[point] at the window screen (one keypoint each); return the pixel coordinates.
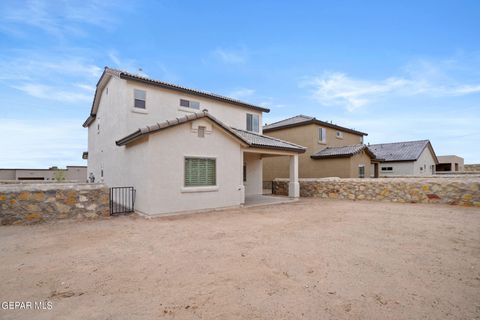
(200, 172)
(322, 134)
(253, 123)
(361, 171)
(140, 98)
(190, 104)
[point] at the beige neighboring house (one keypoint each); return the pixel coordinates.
(450, 163)
(181, 149)
(408, 158)
(332, 150)
(71, 173)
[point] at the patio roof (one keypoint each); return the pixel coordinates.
(250, 139)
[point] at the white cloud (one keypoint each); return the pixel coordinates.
(129, 65)
(42, 143)
(58, 18)
(53, 93)
(231, 56)
(241, 93)
(422, 78)
(62, 77)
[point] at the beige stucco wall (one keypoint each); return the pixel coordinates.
(164, 104)
(156, 170)
(360, 159)
(308, 136)
(118, 118)
(254, 166)
(7, 174)
(452, 160)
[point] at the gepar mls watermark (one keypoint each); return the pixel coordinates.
(26, 305)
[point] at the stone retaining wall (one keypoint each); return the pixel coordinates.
(472, 167)
(454, 191)
(33, 203)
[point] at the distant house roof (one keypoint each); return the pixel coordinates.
(108, 72)
(261, 141)
(342, 152)
(302, 120)
(402, 151)
(247, 138)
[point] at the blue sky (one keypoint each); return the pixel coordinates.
(403, 70)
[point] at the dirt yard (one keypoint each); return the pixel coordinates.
(312, 259)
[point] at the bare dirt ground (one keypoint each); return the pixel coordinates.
(313, 259)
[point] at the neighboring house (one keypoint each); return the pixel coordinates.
(450, 163)
(332, 150)
(181, 149)
(71, 173)
(415, 158)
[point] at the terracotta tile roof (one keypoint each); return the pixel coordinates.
(258, 140)
(250, 139)
(342, 152)
(301, 120)
(167, 85)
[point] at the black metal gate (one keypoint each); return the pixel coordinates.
(122, 200)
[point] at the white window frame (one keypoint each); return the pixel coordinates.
(253, 125)
(322, 135)
(364, 172)
(188, 109)
(136, 109)
(339, 134)
(140, 91)
(188, 189)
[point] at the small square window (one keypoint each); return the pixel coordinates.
(140, 97)
(190, 104)
(339, 134)
(200, 172)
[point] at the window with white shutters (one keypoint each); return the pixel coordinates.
(200, 172)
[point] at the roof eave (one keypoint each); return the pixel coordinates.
(315, 121)
(296, 150)
(130, 138)
(192, 92)
(333, 156)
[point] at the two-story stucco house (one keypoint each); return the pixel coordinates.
(180, 148)
(332, 150)
(408, 158)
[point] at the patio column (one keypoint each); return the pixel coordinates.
(293, 185)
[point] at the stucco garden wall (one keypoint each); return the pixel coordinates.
(454, 191)
(33, 203)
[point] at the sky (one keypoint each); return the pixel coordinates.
(398, 70)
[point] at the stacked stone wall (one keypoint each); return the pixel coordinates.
(472, 167)
(33, 203)
(454, 191)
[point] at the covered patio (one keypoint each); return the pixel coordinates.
(260, 147)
